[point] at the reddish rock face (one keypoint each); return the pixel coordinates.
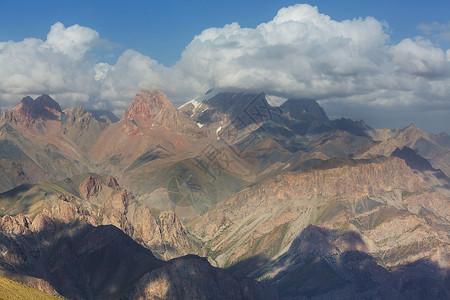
(111, 182)
(91, 187)
(151, 108)
(29, 110)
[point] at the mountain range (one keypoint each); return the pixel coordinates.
(225, 197)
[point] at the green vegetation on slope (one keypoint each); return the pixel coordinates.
(13, 290)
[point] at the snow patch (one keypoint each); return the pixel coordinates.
(202, 99)
(194, 102)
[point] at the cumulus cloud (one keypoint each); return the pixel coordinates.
(421, 58)
(299, 53)
(56, 66)
(74, 41)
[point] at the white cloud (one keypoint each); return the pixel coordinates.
(421, 58)
(56, 66)
(436, 30)
(300, 52)
(74, 41)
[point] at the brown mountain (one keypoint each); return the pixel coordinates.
(150, 121)
(94, 200)
(192, 277)
(83, 127)
(86, 262)
(434, 148)
(396, 214)
(282, 194)
(34, 147)
(319, 253)
(30, 111)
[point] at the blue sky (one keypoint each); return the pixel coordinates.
(387, 62)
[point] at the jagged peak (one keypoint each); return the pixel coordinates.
(28, 110)
(413, 159)
(151, 107)
(41, 102)
(147, 103)
(46, 101)
(304, 109)
(27, 100)
(412, 132)
(412, 126)
(75, 110)
(104, 115)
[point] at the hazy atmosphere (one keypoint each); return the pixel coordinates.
(387, 64)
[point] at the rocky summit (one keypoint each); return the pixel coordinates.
(225, 197)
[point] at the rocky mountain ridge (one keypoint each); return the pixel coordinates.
(86, 262)
(28, 110)
(232, 178)
(96, 201)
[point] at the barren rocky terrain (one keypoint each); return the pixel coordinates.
(225, 197)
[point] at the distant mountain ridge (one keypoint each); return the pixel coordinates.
(281, 194)
(239, 124)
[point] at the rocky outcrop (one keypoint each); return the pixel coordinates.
(98, 201)
(164, 234)
(429, 146)
(29, 110)
(306, 110)
(351, 273)
(19, 224)
(192, 277)
(151, 108)
(111, 182)
(85, 262)
(79, 261)
(373, 198)
(90, 187)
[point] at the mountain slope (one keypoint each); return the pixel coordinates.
(435, 148)
(94, 200)
(86, 262)
(318, 254)
(34, 146)
(13, 290)
(383, 200)
(203, 282)
(248, 178)
(82, 127)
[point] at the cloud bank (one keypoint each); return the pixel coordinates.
(299, 53)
